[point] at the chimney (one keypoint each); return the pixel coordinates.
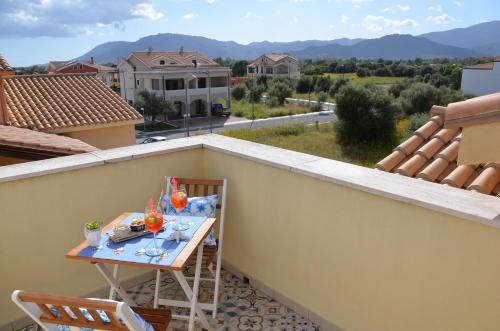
(92, 60)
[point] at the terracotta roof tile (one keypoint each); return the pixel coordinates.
(4, 66)
(55, 103)
(431, 154)
(181, 59)
(483, 66)
(17, 138)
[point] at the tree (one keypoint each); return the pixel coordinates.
(336, 85)
(239, 68)
(364, 115)
(262, 81)
(304, 84)
(362, 72)
(152, 104)
(323, 84)
(419, 98)
(280, 90)
(238, 92)
(322, 97)
(254, 95)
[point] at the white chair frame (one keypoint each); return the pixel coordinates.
(204, 306)
(123, 312)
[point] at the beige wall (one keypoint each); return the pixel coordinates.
(361, 261)
(479, 144)
(43, 218)
(111, 137)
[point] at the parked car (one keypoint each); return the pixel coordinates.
(153, 139)
(218, 110)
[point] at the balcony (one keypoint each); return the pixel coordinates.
(343, 247)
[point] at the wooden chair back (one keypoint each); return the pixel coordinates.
(201, 187)
(38, 306)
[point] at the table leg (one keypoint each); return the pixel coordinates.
(114, 283)
(116, 270)
(192, 295)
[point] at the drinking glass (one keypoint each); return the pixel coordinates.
(153, 219)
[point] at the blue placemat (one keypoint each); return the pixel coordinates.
(127, 251)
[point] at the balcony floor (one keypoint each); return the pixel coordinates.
(242, 307)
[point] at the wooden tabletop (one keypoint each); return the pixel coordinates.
(179, 262)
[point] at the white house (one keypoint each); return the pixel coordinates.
(166, 75)
(482, 79)
(274, 65)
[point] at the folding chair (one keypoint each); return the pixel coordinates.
(49, 311)
(202, 187)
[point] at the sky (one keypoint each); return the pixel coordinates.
(37, 31)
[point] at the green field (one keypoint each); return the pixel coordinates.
(243, 108)
(314, 140)
(367, 80)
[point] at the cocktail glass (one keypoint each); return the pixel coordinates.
(153, 219)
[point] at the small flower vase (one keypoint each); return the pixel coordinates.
(93, 237)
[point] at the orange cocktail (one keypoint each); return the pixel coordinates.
(153, 221)
(179, 200)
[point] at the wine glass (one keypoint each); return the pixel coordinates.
(178, 199)
(153, 219)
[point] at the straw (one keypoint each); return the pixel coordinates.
(159, 200)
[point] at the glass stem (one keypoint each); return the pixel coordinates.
(154, 241)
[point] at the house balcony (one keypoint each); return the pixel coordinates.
(322, 244)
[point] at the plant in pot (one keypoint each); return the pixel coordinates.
(93, 233)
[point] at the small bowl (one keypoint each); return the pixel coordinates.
(137, 225)
(121, 230)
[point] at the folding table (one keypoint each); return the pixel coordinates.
(130, 253)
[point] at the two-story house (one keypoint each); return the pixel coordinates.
(107, 74)
(273, 65)
(186, 78)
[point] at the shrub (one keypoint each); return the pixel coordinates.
(255, 94)
(316, 107)
(280, 91)
(322, 84)
(364, 115)
(262, 81)
(362, 72)
(273, 102)
(238, 92)
(305, 84)
(337, 85)
(322, 97)
(239, 113)
(419, 98)
(416, 121)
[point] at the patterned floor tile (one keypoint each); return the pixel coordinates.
(241, 307)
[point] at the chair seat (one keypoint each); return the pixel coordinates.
(209, 253)
(158, 318)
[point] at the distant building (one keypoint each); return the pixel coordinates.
(107, 74)
(165, 74)
(23, 145)
(5, 68)
(482, 79)
(273, 65)
(74, 105)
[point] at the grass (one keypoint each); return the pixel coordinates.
(311, 139)
(244, 109)
(368, 80)
(157, 126)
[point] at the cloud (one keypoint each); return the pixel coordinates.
(358, 3)
(65, 18)
(344, 18)
(248, 14)
(377, 23)
(210, 2)
(385, 10)
(146, 10)
(404, 7)
(294, 20)
(190, 16)
(437, 8)
(458, 4)
(441, 19)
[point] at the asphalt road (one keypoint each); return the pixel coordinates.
(309, 118)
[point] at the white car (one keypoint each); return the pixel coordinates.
(153, 139)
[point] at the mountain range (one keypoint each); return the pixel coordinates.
(477, 40)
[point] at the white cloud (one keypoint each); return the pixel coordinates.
(359, 2)
(294, 20)
(190, 16)
(248, 14)
(299, 1)
(441, 19)
(344, 18)
(210, 2)
(146, 10)
(377, 23)
(437, 8)
(458, 4)
(404, 7)
(385, 10)
(102, 25)
(22, 17)
(87, 31)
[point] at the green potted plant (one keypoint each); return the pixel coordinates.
(93, 233)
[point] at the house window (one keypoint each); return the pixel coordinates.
(195, 63)
(218, 82)
(174, 84)
(202, 82)
(269, 71)
(155, 84)
(162, 62)
(251, 70)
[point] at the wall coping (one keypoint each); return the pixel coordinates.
(465, 204)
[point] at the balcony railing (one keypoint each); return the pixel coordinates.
(344, 245)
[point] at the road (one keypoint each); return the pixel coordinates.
(235, 124)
